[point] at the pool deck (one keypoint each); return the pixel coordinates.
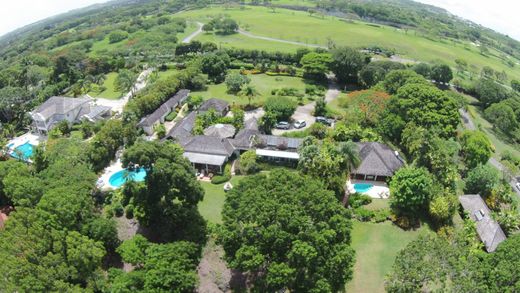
(26, 138)
(379, 189)
(103, 181)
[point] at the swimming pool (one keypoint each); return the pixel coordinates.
(119, 178)
(362, 187)
(23, 152)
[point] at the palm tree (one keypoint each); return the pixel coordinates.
(125, 81)
(248, 91)
(350, 154)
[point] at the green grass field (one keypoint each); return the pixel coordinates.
(376, 247)
(211, 207)
(263, 84)
(299, 26)
(110, 92)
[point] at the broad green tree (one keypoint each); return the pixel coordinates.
(167, 201)
(476, 148)
(482, 180)
(347, 62)
(215, 65)
(277, 227)
(316, 65)
(411, 190)
(441, 73)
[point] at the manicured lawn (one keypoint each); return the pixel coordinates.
(376, 246)
(378, 204)
(294, 26)
(211, 207)
(166, 74)
(110, 92)
(263, 84)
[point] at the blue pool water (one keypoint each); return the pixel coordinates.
(362, 187)
(23, 152)
(119, 178)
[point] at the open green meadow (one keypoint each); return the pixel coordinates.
(263, 84)
(376, 247)
(110, 92)
(299, 26)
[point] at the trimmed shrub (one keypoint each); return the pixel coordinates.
(357, 200)
(220, 179)
(171, 116)
(363, 214)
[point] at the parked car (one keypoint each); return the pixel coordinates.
(300, 124)
(283, 125)
(518, 186)
(324, 120)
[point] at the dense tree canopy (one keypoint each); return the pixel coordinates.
(346, 64)
(215, 65)
(411, 190)
(167, 200)
(489, 92)
(288, 232)
(159, 267)
(316, 65)
(426, 106)
(476, 148)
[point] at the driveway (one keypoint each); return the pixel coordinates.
(305, 112)
(118, 105)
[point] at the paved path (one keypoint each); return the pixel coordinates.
(250, 35)
(469, 124)
(194, 34)
(118, 105)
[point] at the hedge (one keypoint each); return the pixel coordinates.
(220, 179)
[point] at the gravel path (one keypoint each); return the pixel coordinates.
(194, 34)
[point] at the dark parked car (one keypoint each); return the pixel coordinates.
(324, 120)
(283, 125)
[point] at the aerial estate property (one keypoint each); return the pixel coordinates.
(259, 146)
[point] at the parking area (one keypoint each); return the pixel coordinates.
(302, 113)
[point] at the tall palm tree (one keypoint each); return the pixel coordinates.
(248, 91)
(350, 154)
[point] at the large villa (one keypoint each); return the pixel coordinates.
(72, 110)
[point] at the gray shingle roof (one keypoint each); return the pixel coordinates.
(59, 106)
(377, 159)
(96, 112)
(488, 229)
(183, 128)
(208, 145)
(218, 105)
(165, 108)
